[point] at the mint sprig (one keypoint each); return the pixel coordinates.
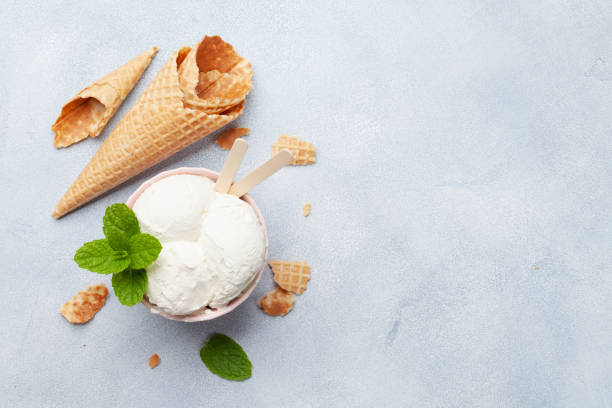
(125, 252)
(224, 357)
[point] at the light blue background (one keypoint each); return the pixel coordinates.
(460, 236)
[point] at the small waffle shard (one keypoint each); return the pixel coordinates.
(291, 275)
(154, 360)
(227, 139)
(306, 209)
(277, 302)
(303, 152)
(82, 307)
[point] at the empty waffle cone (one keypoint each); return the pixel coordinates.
(291, 275)
(90, 110)
(168, 117)
(303, 152)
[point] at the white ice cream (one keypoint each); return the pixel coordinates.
(213, 244)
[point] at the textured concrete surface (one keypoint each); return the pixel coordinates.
(460, 233)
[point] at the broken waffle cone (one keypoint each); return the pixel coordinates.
(214, 77)
(291, 275)
(306, 209)
(90, 110)
(82, 307)
(277, 302)
(303, 152)
(168, 117)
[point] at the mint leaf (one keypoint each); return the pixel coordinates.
(120, 223)
(224, 357)
(130, 286)
(143, 250)
(98, 256)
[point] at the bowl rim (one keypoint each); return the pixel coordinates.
(206, 313)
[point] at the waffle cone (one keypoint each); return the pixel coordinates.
(90, 110)
(161, 123)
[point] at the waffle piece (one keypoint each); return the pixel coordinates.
(291, 275)
(90, 110)
(82, 307)
(306, 209)
(277, 302)
(227, 139)
(303, 152)
(154, 360)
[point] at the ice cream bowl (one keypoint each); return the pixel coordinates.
(204, 313)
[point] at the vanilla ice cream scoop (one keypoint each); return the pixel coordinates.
(233, 240)
(179, 280)
(172, 208)
(213, 245)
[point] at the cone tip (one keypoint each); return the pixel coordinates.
(60, 210)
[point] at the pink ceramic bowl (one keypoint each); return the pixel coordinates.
(206, 313)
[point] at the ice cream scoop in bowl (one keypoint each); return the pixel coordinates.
(214, 243)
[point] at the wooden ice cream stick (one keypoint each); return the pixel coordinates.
(231, 165)
(278, 161)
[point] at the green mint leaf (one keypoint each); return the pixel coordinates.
(224, 357)
(98, 256)
(130, 286)
(143, 250)
(120, 223)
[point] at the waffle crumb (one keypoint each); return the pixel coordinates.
(227, 139)
(154, 360)
(277, 302)
(306, 209)
(291, 275)
(303, 152)
(83, 307)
